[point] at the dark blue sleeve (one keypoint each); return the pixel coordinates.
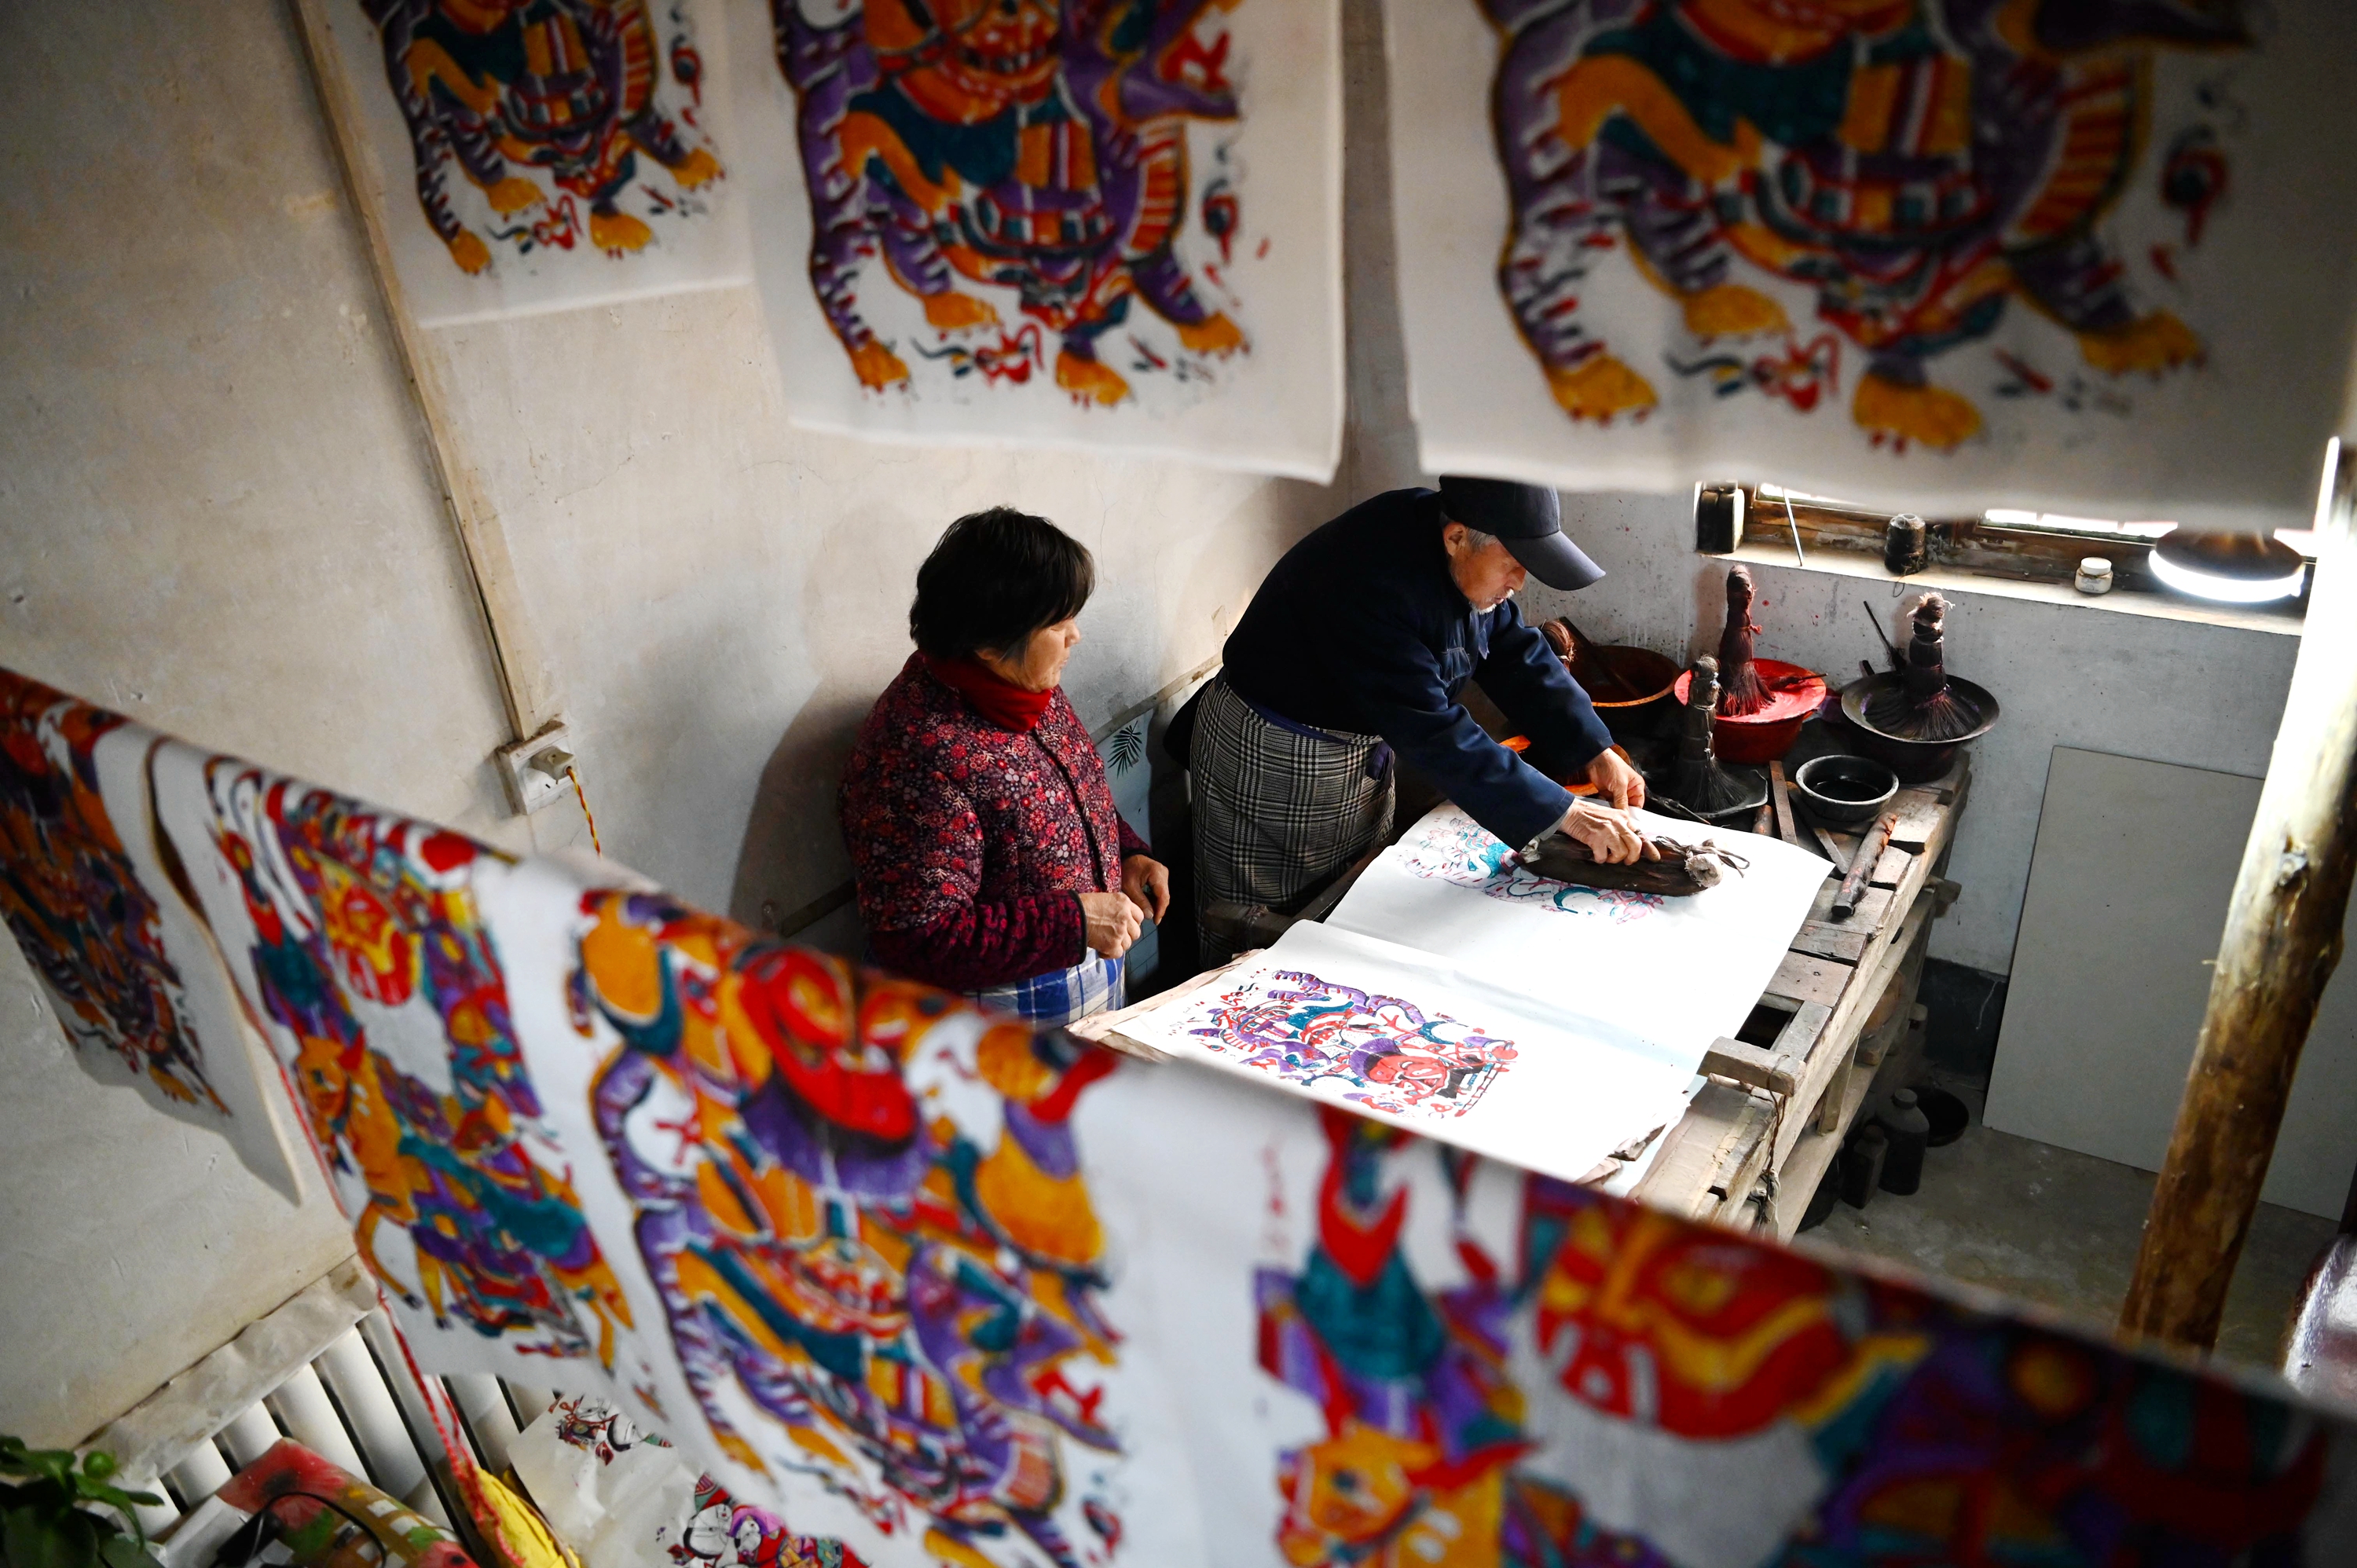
(1529, 684)
(1398, 681)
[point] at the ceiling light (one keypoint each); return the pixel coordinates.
(2237, 568)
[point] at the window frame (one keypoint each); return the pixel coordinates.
(1972, 546)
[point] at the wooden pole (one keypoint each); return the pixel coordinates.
(2281, 942)
(527, 685)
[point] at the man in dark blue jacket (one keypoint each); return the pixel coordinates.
(1356, 645)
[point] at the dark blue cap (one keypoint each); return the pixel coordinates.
(1527, 520)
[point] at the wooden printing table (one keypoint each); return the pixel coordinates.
(1778, 1099)
(1764, 1130)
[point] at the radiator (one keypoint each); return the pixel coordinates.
(326, 1369)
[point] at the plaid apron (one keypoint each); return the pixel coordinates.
(1061, 996)
(1278, 809)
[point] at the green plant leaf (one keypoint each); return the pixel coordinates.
(120, 1501)
(20, 1538)
(116, 1498)
(51, 1464)
(122, 1551)
(98, 1465)
(77, 1535)
(62, 1540)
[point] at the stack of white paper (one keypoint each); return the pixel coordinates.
(1460, 994)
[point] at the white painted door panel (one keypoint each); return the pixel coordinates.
(2127, 895)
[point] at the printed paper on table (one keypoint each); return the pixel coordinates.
(1680, 970)
(356, 938)
(2092, 258)
(1061, 223)
(129, 972)
(543, 157)
(1414, 1040)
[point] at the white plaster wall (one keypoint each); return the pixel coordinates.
(723, 595)
(215, 514)
(212, 516)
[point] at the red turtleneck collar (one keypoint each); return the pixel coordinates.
(1002, 702)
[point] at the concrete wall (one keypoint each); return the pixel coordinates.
(215, 515)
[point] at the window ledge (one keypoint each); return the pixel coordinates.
(1764, 551)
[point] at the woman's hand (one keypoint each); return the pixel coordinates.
(1113, 922)
(1609, 834)
(1146, 882)
(1615, 780)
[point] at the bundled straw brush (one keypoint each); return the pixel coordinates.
(1923, 705)
(1741, 692)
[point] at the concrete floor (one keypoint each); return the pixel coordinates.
(2061, 1228)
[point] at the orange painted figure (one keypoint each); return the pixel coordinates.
(501, 88)
(1034, 145)
(376, 974)
(907, 1298)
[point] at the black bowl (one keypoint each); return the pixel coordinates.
(1844, 789)
(1915, 761)
(1949, 1115)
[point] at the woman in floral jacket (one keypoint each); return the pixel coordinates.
(989, 858)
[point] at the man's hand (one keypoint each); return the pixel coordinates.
(1147, 881)
(1112, 923)
(1609, 834)
(1615, 780)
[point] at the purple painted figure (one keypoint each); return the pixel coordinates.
(1033, 145)
(567, 87)
(907, 1307)
(1913, 162)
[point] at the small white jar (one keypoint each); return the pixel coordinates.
(2094, 576)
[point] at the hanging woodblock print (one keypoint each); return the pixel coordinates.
(1947, 253)
(1573, 1379)
(1680, 970)
(1414, 1040)
(858, 1206)
(127, 969)
(543, 155)
(918, 1286)
(356, 939)
(1105, 224)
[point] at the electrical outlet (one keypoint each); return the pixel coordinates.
(534, 769)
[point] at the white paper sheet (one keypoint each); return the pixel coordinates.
(2203, 199)
(1424, 1043)
(1231, 118)
(621, 198)
(1680, 972)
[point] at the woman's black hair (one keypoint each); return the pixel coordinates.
(996, 577)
